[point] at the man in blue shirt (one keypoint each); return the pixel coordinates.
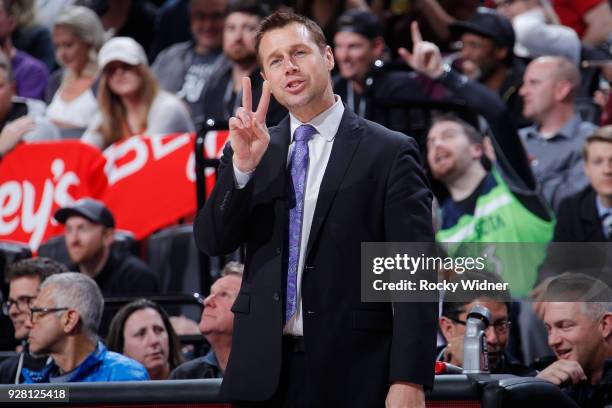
(63, 324)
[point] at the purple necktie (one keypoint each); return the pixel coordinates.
(299, 168)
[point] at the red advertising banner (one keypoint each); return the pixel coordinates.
(38, 178)
(148, 182)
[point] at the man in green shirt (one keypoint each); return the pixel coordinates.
(498, 208)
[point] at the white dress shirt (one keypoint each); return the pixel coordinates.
(319, 150)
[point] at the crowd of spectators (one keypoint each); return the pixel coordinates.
(515, 139)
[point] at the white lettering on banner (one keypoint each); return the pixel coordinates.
(161, 148)
(112, 154)
(10, 200)
(190, 170)
(14, 195)
(35, 221)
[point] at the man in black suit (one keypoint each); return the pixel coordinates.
(302, 196)
(587, 215)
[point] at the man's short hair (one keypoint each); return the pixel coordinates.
(280, 19)
(579, 287)
(80, 292)
(233, 268)
(40, 268)
(564, 70)
(252, 7)
(603, 134)
(473, 135)
(454, 302)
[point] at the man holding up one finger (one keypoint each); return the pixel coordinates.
(301, 197)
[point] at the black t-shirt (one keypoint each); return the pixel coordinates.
(123, 275)
(126, 275)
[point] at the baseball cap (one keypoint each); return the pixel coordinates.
(93, 210)
(360, 22)
(488, 23)
(123, 49)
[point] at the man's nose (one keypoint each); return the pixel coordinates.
(28, 322)
(290, 66)
(491, 335)
(210, 300)
(553, 338)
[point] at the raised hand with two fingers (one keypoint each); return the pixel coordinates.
(249, 135)
(425, 57)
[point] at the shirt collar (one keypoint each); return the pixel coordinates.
(601, 210)
(569, 129)
(326, 123)
(211, 358)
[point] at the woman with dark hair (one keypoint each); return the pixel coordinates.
(141, 330)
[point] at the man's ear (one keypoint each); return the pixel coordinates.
(263, 75)
(108, 237)
(447, 328)
(562, 90)
(476, 150)
(606, 326)
(501, 53)
(378, 47)
(329, 58)
(71, 319)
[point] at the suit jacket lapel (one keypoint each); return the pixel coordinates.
(346, 141)
(590, 219)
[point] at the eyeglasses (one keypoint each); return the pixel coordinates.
(500, 327)
(43, 311)
(22, 304)
(114, 66)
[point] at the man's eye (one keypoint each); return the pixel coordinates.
(274, 62)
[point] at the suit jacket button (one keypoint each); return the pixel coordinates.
(276, 296)
(278, 251)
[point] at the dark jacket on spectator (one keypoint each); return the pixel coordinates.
(385, 98)
(202, 367)
(594, 396)
(578, 220)
(10, 369)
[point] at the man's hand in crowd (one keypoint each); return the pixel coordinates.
(13, 132)
(562, 371)
(425, 56)
(249, 135)
(405, 395)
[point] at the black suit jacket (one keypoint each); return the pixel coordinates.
(374, 189)
(572, 250)
(578, 220)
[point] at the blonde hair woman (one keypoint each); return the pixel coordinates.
(77, 35)
(130, 100)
